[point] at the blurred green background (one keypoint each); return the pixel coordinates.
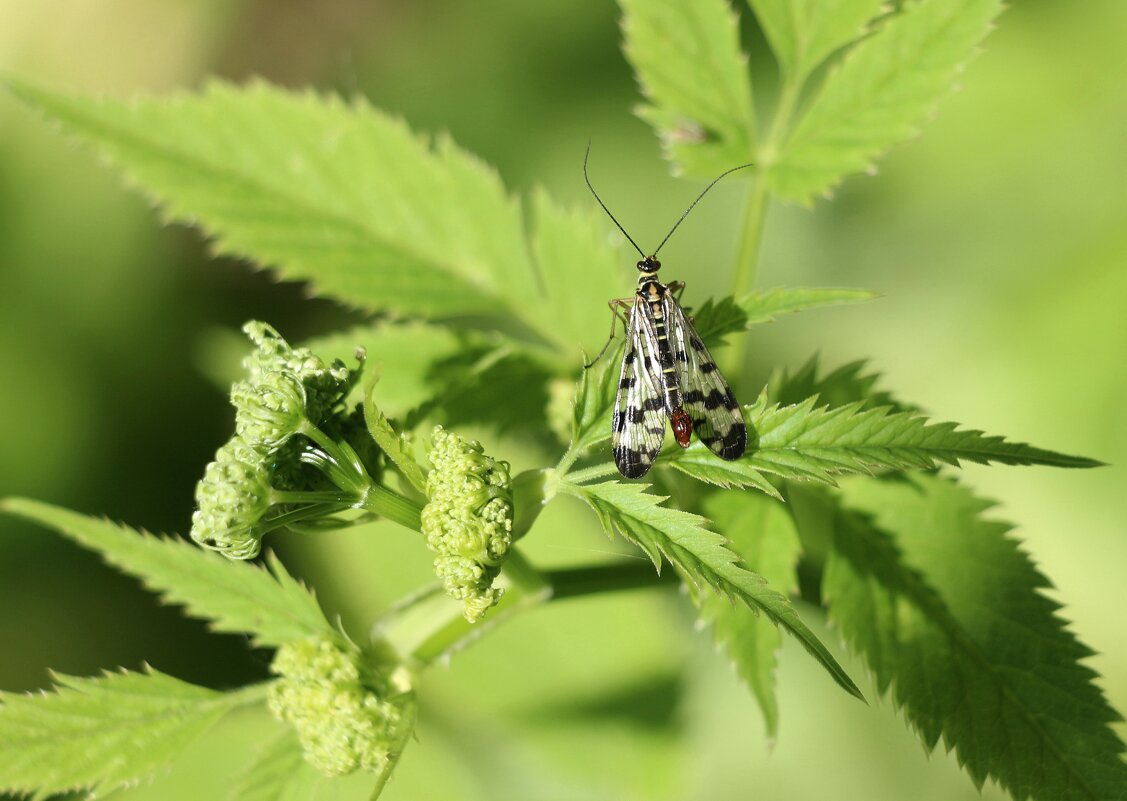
(998, 239)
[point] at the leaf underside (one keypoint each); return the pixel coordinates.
(952, 618)
(700, 556)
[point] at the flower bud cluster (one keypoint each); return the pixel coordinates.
(261, 477)
(342, 721)
(468, 520)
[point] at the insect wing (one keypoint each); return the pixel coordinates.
(706, 396)
(638, 425)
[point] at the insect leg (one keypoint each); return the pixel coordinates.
(616, 306)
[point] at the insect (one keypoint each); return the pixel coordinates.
(667, 372)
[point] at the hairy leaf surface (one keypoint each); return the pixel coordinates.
(952, 617)
(235, 596)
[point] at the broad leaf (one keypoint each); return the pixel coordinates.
(101, 734)
(700, 556)
(952, 617)
(880, 94)
(580, 273)
(235, 596)
(334, 193)
(802, 33)
(688, 61)
(716, 319)
(761, 532)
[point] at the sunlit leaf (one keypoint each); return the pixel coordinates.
(334, 193)
(802, 33)
(688, 61)
(103, 733)
(880, 94)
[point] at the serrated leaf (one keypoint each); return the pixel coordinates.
(807, 442)
(952, 618)
(802, 33)
(271, 606)
(880, 94)
(716, 319)
(101, 733)
(594, 399)
(761, 532)
(391, 442)
(703, 465)
(700, 556)
(693, 74)
(278, 772)
(334, 193)
(850, 383)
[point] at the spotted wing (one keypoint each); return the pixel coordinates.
(638, 425)
(706, 396)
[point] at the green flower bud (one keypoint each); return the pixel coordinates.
(269, 410)
(232, 498)
(324, 385)
(468, 520)
(341, 719)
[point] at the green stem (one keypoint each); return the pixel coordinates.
(385, 503)
(429, 626)
(575, 582)
(589, 473)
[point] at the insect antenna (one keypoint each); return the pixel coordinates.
(604, 205)
(694, 203)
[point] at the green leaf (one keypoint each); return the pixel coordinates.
(688, 61)
(702, 557)
(403, 354)
(102, 733)
(880, 94)
(703, 465)
(763, 535)
(714, 320)
(952, 617)
(391, 442)
(580, 273)
(802, 33)
(594, 400)
(337, 194)
(235, 596)
(814, 443)
(849, 383)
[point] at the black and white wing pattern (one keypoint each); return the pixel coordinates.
(638, 425)
(706, 396)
